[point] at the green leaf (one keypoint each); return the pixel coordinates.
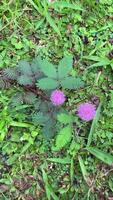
(20, 124)
(60, 160)
(12, 159)
(35, 6)
(48, 188)
(39, 24)
(10, 73)
(24, 67)
(100, 64)
(94, 58)
(25, 80)
(17, 99)
(25, 148)
(63, 137)
(64, 118)
(64, 4)
(40, 118)
(72, 170)
(52, 23)
(47, 84)
(47, 68)
(101, 61)
(65, 66)
(29, 97)
(72, 83)
(94, 125)
(3, 84)
(83, 169)
(103, 156)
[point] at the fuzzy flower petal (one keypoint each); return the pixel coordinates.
(86, 111)
(57, 97)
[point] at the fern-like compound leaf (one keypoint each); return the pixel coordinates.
(47, 84)
(65, 118)
(9, 73)
(4, 84)
(29, 97)
(47, 68)
(63, 137)
(49, 129)
(24, 67)
(25, 80)
(65, 66)
(40, 118)
(17, 99)
(35, 69)
(72, 83)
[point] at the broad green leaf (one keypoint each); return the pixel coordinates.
(63, 137)
(94, 124)
(64, 118)
(103, 156)
(64, 4)
(83, 169)
(47, 84)
(72, 83)
(47, 68)
(65, 66)
(20, 124)
(52, 23)
(60, 160)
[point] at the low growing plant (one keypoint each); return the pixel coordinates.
(42, 89)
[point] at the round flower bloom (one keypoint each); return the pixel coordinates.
(57, 97)
(86, 111)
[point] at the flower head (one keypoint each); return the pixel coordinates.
(86, 111)
(57, 97)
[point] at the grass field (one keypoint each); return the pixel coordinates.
(30, 166)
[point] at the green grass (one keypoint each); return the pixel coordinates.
(30, 168)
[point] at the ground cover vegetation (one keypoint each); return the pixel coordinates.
(56, 100)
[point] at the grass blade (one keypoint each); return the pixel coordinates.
(103, 156)
(64, 4)
(35, 6)
(72, 171)
(48, 188)
(20, 124)
(83, 169)
(94, 124)
(52, 23)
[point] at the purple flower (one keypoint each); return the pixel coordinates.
(86, 111)
(57, 97)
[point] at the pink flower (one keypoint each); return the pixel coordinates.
(86, 111)
(57, 97)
